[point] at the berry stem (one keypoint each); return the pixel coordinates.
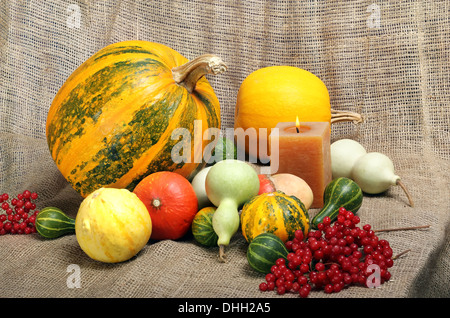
(400, 254)
(403, 228)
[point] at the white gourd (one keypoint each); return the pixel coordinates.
(344, 154)
(375, 173)
(198, 183)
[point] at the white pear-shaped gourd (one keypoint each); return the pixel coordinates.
(344, 154)
(374, 172)
(229, 184)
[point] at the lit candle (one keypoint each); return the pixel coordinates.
(303, 150)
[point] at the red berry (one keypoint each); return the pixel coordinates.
(304, 268)
(28, 205)
(273, 269)
(302, 280)
(279, 282)
(23, 225)
(280, 261)
(288, 245)
(288, 285)
(263, 286)
(16, 226)
(299, 235)
(318, 254)
(281, 290)
(328, 288)
(314, 245)
(304, 292)
(270, 277)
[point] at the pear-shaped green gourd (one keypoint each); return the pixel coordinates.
(340, 192)
(229, 184)
(52, 222)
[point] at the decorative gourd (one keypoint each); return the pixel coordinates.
(340, 192)
(276, 94)
(344, 153)
(171, 202)
(266, 184)
(275, 213)
(375, 173)
(202, 228)
(112, 225)
(288, 184)
(224, 149)
(198, 183)
(229, 185)
(264, 250)
(111, 122)
(52, 223)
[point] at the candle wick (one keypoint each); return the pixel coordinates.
(297, 129)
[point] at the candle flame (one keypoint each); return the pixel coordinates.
(297, 124)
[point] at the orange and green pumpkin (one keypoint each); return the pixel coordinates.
(114, 120)
(275, 213)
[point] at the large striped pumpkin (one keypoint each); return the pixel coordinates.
(111, 122)
(275, 213)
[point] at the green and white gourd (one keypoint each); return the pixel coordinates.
(52, 223)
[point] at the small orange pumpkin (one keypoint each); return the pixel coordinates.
(171, 202)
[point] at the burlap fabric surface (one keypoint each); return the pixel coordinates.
(387, 60)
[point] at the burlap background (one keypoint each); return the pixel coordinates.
(387, 60)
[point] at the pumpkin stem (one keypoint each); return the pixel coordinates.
(189, 73)
(339, 116)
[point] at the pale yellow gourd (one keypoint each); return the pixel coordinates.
(112, 225)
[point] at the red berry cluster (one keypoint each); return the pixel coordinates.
(20, 214)
(330, 258)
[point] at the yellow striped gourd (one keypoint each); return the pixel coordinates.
(276, 213)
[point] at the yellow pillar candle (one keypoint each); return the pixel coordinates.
(303, 150)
